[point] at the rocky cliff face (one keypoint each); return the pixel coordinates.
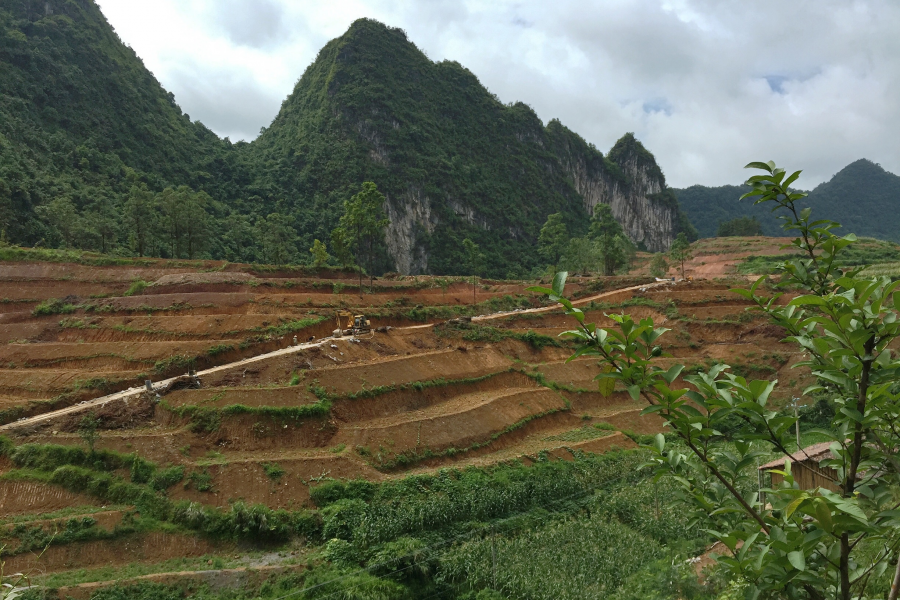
(410, 215)
(629, 180)
(452, 160)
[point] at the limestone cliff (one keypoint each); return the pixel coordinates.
(452, 160)
(628, 179)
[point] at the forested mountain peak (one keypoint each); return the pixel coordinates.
(88, 134)
(78, 112)
(872, 211)
(453, 160)
(861, 170)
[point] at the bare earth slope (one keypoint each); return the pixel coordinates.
(279, 406)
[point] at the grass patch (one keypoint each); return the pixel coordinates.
(137, 287)
(273, 471)
(219, 349)
(130, 571)
(209, 419)
(867, 252)
(201, 480)
(178, 362)
(582, 434)
(414, 385)
(94, 259)
(290, 326)
(34, 538)
(53, 306)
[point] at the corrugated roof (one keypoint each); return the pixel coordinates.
(816, 453)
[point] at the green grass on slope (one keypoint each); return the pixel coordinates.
(879, 256)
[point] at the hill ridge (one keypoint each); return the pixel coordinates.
(453, 161)
(873, 213)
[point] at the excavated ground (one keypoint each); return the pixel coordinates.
(416, 395)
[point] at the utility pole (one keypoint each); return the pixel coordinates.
(797, 422)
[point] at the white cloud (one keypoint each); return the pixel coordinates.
(707, 85)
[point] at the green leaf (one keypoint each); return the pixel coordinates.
(606, 385)
(757, 564)
(808, 300)
(559, 282)
(823, 515)
(791, 179)
(673, 372)
(794, 505)
(634, 391)
(797, 560)
(759, 165)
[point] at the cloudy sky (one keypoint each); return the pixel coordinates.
(706, 85)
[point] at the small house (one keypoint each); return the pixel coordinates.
(805, 468)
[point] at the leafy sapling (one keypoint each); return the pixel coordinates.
(837, 541)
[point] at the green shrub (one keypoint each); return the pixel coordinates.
(273, 471)
(202, 480)
(47, 457)
(209, 419)
(52, 306)
(205, 420)
(255, 522)
(334, 490)
(141, 470)
(139, 591)
(167, 478)
(537, 340)
(340, 519)
(137, 287)
(6, 446)
(183, 363)
(219, 349)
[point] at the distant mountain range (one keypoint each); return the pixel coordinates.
(862, 196)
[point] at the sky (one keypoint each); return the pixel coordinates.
(706, 85)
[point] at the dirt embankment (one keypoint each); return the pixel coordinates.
(265, 428)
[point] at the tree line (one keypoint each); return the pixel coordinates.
(606, 249)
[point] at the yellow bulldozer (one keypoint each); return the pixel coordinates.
(348, 323)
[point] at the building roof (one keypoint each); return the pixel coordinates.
(816, 452)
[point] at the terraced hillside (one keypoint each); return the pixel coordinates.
(127, 477)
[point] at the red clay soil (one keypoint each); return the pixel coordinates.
(246, 479)
(717, 257)
(26, 497)
(137, 547)
(461, 422)
(413, 390)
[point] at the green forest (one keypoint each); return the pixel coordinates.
(96, 155)
(873, 211)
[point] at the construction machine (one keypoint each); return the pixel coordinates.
(348, 323)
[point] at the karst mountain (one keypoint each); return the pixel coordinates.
(83, 124)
